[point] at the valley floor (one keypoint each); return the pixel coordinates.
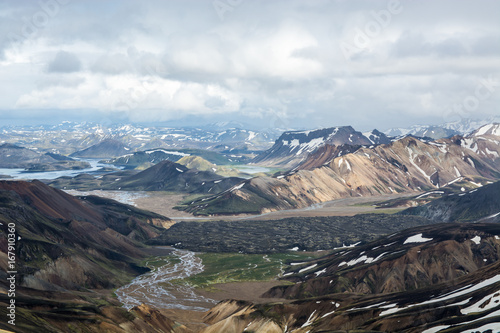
(163, 203)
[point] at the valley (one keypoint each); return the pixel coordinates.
(330, 228)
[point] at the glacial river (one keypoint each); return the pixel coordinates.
(156, 289)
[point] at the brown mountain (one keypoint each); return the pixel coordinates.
(441, 278)
(293, 147)
(68, 253)
(406, 165)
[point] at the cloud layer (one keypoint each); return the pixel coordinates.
(287, 63)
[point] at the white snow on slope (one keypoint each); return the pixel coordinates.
(417, 239)
(308, 268)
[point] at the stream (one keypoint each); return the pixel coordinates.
(156, 289)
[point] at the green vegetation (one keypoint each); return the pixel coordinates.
(238, 267)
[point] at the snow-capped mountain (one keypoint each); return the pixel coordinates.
(68, 137)
(461, 127)
(293, 147)
(406, 165)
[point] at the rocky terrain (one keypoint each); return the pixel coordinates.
(441, 278)
(298, 234)
(405, 165)
(477, 204)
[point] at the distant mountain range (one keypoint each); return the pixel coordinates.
(404, 165)
(462, 127)
(69, 137)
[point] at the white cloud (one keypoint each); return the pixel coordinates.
(268, 60)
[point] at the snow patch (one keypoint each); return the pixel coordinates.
(476, 240)
(417, 239)
(318, 273)
(308, 268)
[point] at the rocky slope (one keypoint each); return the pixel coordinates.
(201, 164)
(441, 278)
(405, 165)
(480, 203)
(67, 251)
(69, 242)
(291, 148)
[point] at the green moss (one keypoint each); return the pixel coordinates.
(238, 267)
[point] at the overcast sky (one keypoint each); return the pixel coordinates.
(290, 63)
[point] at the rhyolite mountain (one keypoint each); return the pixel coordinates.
(293, 147)
(13, 156)
(70, 253)
(59, 230)
(440, 278)
(406, 165)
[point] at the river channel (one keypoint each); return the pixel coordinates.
(156, 289)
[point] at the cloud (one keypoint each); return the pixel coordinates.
(277, 62)
(64, 62)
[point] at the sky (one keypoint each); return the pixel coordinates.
(271, 64)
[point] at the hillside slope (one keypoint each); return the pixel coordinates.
(441, 278)
(481, 203)
(69, 253)
(13, 156)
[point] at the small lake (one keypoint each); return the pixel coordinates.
(251, 169)
(22, 174)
